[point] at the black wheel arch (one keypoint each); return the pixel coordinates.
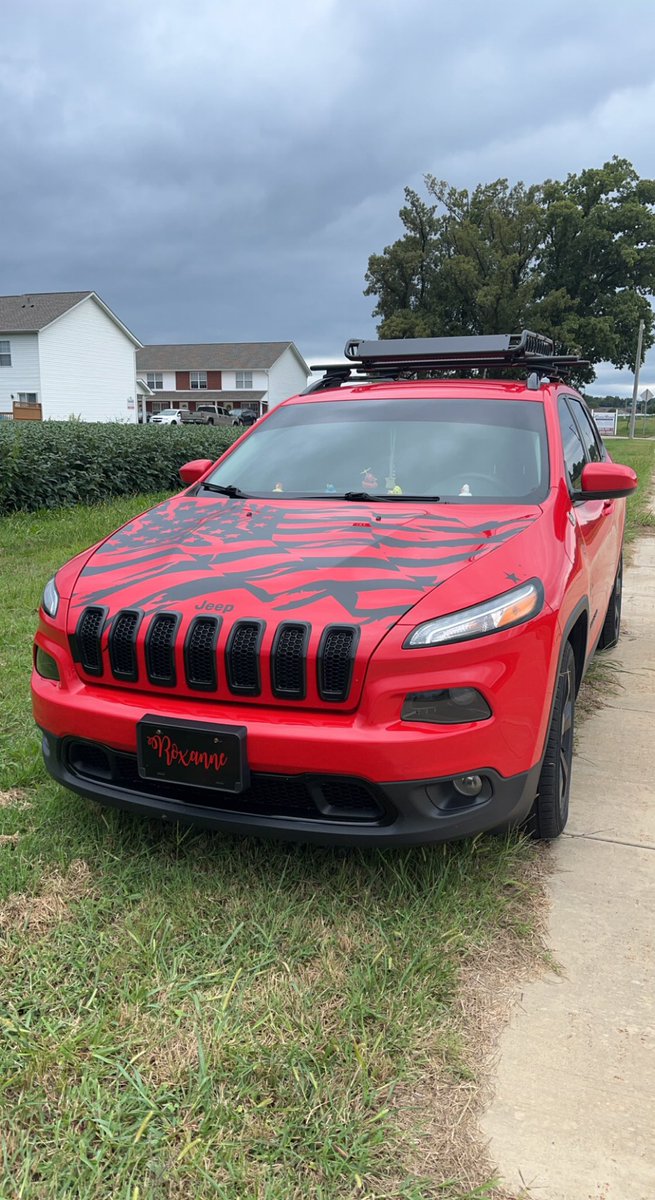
(576, 631)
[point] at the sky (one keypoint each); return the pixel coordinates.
(221, 170)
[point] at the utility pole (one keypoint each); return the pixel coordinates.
(633, 410)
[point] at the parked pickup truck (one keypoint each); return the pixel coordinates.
(209, 413)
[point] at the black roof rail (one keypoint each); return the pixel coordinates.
(335, 376)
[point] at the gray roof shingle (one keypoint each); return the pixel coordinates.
(35, 310)
(211, 356)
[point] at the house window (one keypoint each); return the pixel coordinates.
(244, 379)
(5, 354)
(26, 397)
(198, 379)
(155, 380)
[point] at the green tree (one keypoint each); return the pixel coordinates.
(574, 259)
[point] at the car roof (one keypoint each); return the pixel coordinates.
(435, 389)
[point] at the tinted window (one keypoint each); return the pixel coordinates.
(574, 452)
(459, 450)
(587, 429)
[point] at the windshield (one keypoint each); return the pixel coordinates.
(453, 450)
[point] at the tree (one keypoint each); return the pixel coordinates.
(574, 259)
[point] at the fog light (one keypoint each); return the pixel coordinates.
(46, 665)
(450, 706)
(468, 785)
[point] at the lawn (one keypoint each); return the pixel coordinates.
(190, 1015)
(644, 426)
(641, 456)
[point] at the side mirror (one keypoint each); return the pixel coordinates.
(606, 481)
(191, 472)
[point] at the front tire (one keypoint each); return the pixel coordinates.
(550, 810)
(609, 634)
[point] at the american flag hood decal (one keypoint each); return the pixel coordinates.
(320, 561)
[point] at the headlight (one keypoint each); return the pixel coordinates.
(512, 608)
(50, 601)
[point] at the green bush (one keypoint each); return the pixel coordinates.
(56, 464)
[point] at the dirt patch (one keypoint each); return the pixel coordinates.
(7, 839)
(39, 913)
(440, 1114)
(14, 798)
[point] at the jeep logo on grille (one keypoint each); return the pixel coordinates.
(206, 606)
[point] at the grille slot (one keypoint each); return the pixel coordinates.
(122, 646)
(288, 661)
(200, 653)
(160, 649)
(336, 657)
(89, 639)
(242, 658)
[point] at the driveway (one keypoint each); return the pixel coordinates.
(574, 1112)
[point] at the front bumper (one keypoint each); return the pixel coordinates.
(329, 809)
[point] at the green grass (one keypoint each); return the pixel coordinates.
(641, 457)
(644, 426)
(188, 1015)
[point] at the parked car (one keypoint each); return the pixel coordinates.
(367, 622)
(244, 416)
(168, 416)
(208, 414)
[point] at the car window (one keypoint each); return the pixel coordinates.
(574, 451)
(463, 451)
(590, 436)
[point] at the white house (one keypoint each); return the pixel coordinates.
(66, 354)
(256, 375)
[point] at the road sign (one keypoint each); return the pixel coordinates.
(605, 419)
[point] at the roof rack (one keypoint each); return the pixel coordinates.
(396, 357)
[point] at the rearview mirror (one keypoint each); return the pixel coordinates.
(192, 471)
(606, 481)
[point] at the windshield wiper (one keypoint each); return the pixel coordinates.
(230, 489)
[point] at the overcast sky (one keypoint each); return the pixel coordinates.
(221, 170)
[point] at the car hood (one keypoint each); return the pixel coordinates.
(320, 561)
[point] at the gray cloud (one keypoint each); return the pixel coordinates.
(222, 170)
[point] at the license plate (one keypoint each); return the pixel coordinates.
(194, 754)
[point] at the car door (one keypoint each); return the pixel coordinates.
(597, 520)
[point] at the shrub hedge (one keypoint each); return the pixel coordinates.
(53, 464)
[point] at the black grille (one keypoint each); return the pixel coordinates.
(288, 661)
(315, 798)
(335, 661)
(89, 639)
(242, 658)
(200, 653)
(122, 645)
(160, 649)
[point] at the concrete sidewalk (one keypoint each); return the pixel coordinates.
(574, 1112)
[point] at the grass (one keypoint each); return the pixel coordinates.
(644, 426)
(188, 1015)
(641, 457)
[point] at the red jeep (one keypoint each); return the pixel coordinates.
(366, 623)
